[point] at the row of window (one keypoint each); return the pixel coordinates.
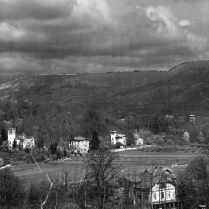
(162, 195)
(155, 195)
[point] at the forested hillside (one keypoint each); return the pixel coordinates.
(61, 106)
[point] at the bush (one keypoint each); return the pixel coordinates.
(20, 155)
(38, 192)
(29, 159)
(12, 192)
(40, 158)
(53, 157)
(7, 161)
(169, 141)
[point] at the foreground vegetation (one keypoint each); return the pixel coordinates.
(92, 185)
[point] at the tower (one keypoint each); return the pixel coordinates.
(11, 136)
(192, 118)
(112, 137)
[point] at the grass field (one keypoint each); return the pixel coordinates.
(130, 160)
(138, 153)
(158, 158)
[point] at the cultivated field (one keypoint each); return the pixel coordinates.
(157, 158)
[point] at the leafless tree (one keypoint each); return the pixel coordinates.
(100, 178)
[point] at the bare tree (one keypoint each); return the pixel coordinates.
(100, 177)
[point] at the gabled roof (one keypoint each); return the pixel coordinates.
(23, 137)
(11, 128)
(120, 136)
(79, 138)
(149, 177)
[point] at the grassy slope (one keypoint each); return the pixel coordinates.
(78, 89)
(183, 89)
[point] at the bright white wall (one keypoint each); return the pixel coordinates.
(169, 193)
(11, 136)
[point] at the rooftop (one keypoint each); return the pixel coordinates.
(79, 138)
(120, 135)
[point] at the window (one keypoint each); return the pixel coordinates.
(155, 196)
(138, 195)
(10, 132)
(162, 195)
(169, 194)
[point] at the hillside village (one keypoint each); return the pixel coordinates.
(104, 104)
(152, 186)
(142, 154)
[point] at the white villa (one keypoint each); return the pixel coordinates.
(22, 141)
(117, 138)
(154, 188)
(163, 194)
(80, 143)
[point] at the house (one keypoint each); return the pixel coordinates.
(22, 141)
(139, 141)
(117, 138)
(80, 143)
(155, 188)
(25, 141)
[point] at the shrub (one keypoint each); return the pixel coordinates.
(169, 141)
(40, 158)
(53, 157)
(38, 193)
(28, 159)
(12, 192)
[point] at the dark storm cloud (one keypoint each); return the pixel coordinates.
(32, 9)
(43, 36)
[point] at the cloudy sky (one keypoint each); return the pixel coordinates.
(69, 36)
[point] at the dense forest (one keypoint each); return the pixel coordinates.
(54, 122)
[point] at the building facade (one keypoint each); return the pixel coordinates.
(22, 141)
(80, 143)
(153, 189)
(139, 141)
(115, 138)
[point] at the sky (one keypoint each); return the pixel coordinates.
(75, 36)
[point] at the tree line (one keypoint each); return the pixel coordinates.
(94, 185)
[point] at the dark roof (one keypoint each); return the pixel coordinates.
(11, 128)
(79, 138)
(120, 136)
(149, 177)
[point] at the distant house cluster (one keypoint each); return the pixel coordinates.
(21, 141)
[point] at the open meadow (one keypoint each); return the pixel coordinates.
(129, 160)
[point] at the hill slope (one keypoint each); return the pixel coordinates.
(80, 88)
(184, 88)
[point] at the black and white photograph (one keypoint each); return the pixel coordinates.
(104, 104)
